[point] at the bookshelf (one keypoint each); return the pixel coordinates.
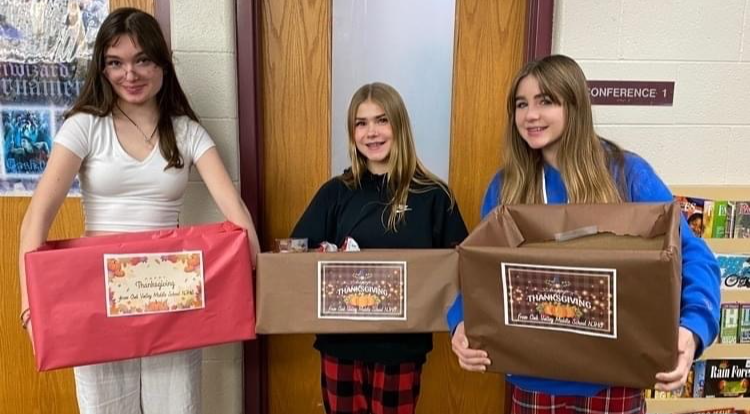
(730, 351)
(737, 246)
(681, 405)
(716, 351)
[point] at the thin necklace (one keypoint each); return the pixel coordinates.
(146, 138)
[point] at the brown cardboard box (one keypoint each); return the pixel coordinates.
(602, 308)
(362, 292)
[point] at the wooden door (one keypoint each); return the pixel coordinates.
(489, 50)
(296, 95)
(22, 389)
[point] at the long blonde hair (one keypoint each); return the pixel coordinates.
(406, 173)
(583, 158)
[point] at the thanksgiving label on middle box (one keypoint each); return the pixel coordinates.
(147, 283)
(370, 290)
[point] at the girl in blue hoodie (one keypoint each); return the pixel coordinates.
(554, 156)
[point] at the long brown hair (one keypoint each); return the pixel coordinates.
(406, 173)
(97, 96)
(583, 157)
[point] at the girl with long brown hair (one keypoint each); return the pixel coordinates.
(132, 138)
(554, 156)
(387, 199)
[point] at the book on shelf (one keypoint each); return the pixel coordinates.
(692, 209)
(728, 328)
(699, 378)
(724, 410)
(708, 219)
(727, 378)
(742, 220)
(715, 214)
(735, 271)
(731, 215)
(743, 328)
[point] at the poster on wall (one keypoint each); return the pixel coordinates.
(45, 47)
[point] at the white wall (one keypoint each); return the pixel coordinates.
(704, 47)
(203, 41)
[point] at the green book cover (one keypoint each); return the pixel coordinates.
(729, 226)
(719, 223)
(708, 219)
(729, 323)
(743, 331)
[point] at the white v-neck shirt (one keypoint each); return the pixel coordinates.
(120, 193)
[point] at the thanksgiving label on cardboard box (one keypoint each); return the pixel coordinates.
(146, 283)
(371, 290)
(574, 299)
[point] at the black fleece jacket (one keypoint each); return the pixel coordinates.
(337, 212)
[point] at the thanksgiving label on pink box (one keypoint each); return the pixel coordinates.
(147, 283)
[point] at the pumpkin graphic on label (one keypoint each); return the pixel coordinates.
(362, 300)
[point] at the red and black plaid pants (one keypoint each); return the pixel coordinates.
(356, 387)
(614, 400)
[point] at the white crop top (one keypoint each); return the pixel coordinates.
(121, 194)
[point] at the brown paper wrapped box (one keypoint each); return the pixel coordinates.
(601, 308)
(357, 295)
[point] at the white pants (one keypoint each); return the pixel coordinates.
(162, 384)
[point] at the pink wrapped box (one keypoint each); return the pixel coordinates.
(108, 298)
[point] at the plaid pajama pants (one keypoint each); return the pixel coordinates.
(614, 400)
(356, 387)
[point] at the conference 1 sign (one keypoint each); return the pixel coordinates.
(603, 92)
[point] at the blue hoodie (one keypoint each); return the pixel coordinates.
(700, 303)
